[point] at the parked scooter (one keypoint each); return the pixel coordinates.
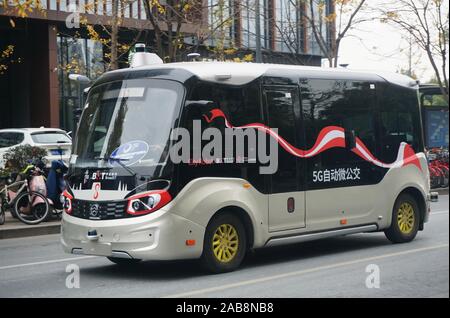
(28, 202)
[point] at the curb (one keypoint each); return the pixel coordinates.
(29, 230)
(441, 191)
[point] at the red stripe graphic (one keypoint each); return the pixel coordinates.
(329, 137)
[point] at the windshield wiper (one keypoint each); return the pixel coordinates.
(119, 161)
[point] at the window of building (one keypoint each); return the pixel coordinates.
(248, 24)
(287, 26)
(81, 56)
(135, 10)
(52, 4)
(221, 20)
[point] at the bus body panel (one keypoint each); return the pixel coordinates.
(150, 237)
(202, 198)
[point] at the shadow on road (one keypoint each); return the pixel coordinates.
(176, 270)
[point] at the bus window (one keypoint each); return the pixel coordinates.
(241, 106)
(281, 104)
(400, 121)
(346, 104)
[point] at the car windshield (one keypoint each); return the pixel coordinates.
(127, 123)
(50, 138)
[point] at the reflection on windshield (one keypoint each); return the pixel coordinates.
(128, 120)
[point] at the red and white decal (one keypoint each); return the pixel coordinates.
(329, 137)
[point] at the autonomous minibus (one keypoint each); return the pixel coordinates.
(209, 160)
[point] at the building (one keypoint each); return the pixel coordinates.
(48, 45)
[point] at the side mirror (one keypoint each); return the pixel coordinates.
(350, 139)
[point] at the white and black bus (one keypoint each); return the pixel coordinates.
(343, 150)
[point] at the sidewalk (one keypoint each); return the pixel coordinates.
(13, 228)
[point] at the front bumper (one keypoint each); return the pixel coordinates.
(158, 236)
(431, 197)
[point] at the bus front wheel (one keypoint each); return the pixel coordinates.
(405, 220)
(225, 244)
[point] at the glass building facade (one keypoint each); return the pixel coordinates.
(284, 25)
(80, 56)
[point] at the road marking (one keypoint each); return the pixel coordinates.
(297, 273)
(439, 212)
(48, 262)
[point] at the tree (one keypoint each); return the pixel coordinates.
(6, 58)
(20, 9)
(168, 18)
(340, 20)
(328, 22)
(107, 32)
(426, 21)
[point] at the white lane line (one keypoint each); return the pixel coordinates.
(439, 212)
(296, 273)
(48, 262)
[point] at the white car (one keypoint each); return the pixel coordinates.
(56, 141)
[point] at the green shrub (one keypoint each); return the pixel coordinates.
(17, 158)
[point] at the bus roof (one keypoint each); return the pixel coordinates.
(242, 73)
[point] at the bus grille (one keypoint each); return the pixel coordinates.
(99, 210)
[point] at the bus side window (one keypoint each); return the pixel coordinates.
(399, 121)
(346, 104)
(282, 104)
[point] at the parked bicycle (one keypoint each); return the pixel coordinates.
(438, 167)
(25, 195)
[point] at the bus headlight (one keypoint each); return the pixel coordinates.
(144, 203)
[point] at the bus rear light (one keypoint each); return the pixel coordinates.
(148, 202)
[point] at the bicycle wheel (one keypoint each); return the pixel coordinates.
(2, 214)
(31, 207)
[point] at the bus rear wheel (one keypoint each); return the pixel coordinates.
(405, 220)
(225, 244)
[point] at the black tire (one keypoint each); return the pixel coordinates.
(38, 212)
(2, 215)
(446, 178)
(235, 244)
(405, 225)
(124, 261)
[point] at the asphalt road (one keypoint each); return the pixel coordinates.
(36, 267)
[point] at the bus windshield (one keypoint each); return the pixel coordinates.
(126, 126)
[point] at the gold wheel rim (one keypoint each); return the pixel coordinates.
(225, 243)
(406, 218)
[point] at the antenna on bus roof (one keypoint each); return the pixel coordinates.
(143, 58)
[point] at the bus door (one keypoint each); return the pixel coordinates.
(340, 184)
(286, 195)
